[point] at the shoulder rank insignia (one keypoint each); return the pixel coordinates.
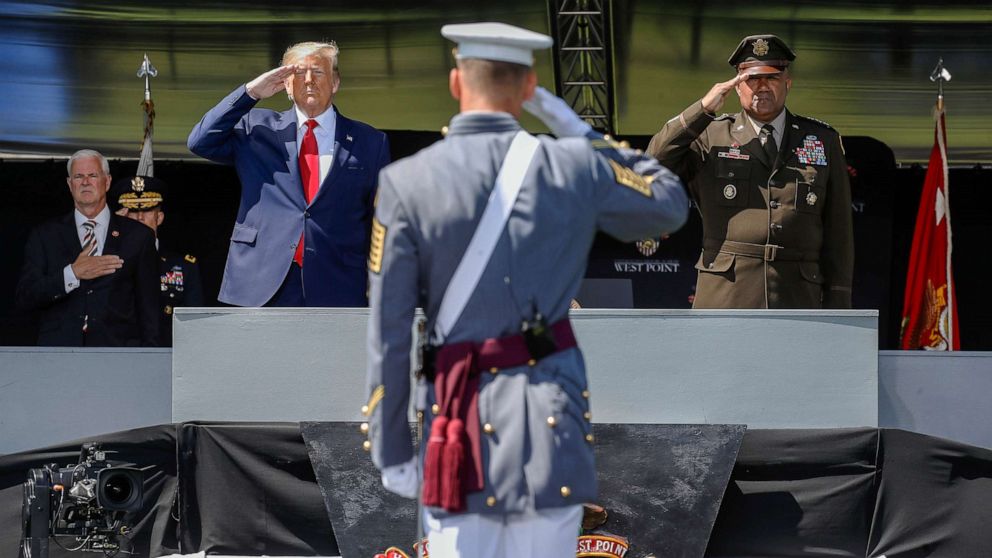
(814, 121)
(627, 177)
(190, 258)
(377, 246)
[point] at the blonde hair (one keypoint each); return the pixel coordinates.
(299, 51)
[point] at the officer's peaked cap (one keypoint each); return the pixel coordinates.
(139, 193)
(496, 41)
(762, 55)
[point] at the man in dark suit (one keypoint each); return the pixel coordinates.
(308, 181)
(142, 198)
(91, 274)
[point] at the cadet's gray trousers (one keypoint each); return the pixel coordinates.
(550, 533)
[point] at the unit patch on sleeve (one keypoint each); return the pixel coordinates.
(627, 177)
(377, 246)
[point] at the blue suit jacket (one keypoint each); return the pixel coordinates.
(261, 144)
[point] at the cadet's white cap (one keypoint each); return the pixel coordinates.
(496, 41)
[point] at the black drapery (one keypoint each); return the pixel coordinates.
(248, 488)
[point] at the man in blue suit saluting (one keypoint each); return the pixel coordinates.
(308, 179)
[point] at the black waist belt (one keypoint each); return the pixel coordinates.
(766, 252)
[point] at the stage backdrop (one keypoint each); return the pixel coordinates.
(67, 67)
(203, 201)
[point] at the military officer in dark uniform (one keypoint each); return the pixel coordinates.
(509, 459)
(141, 198)
(772, 189)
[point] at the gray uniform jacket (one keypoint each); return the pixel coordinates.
(776, 234)
(537, 448)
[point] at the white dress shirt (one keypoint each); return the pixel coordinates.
(324, 132)
(778, 123)
(102, 220)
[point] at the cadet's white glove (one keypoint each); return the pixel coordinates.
(556, 114)
(402, 479)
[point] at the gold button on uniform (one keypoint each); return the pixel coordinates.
(365, 410)
(587, 415)
(367, 445)
(364, 428)
(590, 438)
(435, 408)
(493, 370)
(566, 492)
(531, 362)
(585, 393)
(491, 501)
(552, 422)
(488, 428)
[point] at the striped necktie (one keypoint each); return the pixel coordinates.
(89, 236)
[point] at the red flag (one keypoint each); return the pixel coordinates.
(929, 309)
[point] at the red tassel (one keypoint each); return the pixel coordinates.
(432, 462)
(453, 468)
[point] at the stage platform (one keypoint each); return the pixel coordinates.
(767, 369)
(763, 369)
(246, 420)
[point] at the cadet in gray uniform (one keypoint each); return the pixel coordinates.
(525, 456)
(777, 223)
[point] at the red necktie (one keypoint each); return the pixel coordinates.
(310, 174)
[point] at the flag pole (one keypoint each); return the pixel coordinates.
(940, 75)
(146, 165)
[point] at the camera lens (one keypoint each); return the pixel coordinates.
(118, 489)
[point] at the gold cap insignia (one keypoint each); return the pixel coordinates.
(760, 47)
(138, 184)
(146, 200)
(811, 199)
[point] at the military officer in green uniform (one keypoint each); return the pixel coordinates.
(771, 187)
(141, 198)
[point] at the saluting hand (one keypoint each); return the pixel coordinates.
(270, 83)
(713, 101)
(91, 267)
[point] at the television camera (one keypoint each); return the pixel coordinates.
(87, 507)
